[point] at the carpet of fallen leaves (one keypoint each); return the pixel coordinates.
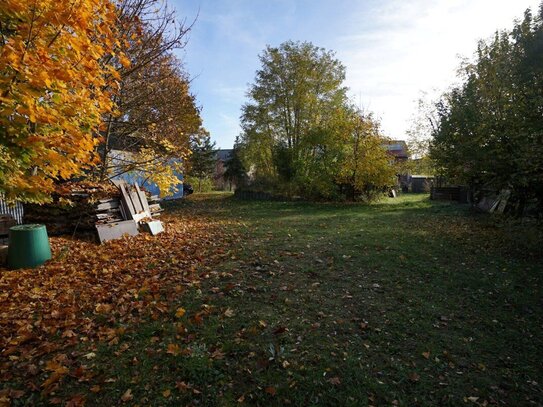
(89, 293)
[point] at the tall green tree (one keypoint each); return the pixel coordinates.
(202, 159)
(490, 128)
(301, 134)
(290, 122)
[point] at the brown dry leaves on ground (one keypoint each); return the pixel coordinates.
(91, 292)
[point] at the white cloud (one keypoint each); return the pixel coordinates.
(400, 48)
(393, 49)
(231, 94)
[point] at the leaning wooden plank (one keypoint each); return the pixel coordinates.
(139, 213)
(124, 212)
(118, 182)
(505, 194)
(135, 200)
(111, 231)
(126, 203)
(139, 200)
(143, 199)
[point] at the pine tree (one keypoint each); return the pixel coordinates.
(202, 160)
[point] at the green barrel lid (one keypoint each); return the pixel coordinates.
(28, 246)
(31, 226)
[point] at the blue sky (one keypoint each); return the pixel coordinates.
(393, 50)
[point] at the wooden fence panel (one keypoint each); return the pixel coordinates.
(16, 210)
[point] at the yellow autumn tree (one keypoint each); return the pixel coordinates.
(367, 170)
(52, 90)
(148, 139)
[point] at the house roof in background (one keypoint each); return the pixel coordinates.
(397, 148)
(396, 145)
(224, 155)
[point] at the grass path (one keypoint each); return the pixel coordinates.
(406, 302)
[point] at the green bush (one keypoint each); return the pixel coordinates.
(200, 184)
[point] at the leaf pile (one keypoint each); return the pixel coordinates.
(90, 293)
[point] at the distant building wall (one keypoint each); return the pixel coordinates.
(397, 149)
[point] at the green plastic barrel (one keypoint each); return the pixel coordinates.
(28, 246)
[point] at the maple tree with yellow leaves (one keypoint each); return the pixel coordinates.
(52, 90)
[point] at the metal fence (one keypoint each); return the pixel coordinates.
(15, 210)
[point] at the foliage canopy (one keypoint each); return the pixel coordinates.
(53, 90)
(235, 173)
(490, 128)
(82, 78)
(157, 114)
(298, 125)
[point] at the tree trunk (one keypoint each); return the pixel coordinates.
(103, 172)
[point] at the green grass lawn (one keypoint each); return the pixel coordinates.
(405, 302)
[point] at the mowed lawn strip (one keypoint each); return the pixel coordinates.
(405, 302)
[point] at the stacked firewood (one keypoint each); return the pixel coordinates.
(108, 210)
(76, 206)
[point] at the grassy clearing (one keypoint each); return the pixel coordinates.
(407, 302)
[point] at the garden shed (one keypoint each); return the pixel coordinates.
(420, 183)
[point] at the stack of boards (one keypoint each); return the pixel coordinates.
(127, 214)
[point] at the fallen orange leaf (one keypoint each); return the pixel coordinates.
(173, 349)
(127, 396)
